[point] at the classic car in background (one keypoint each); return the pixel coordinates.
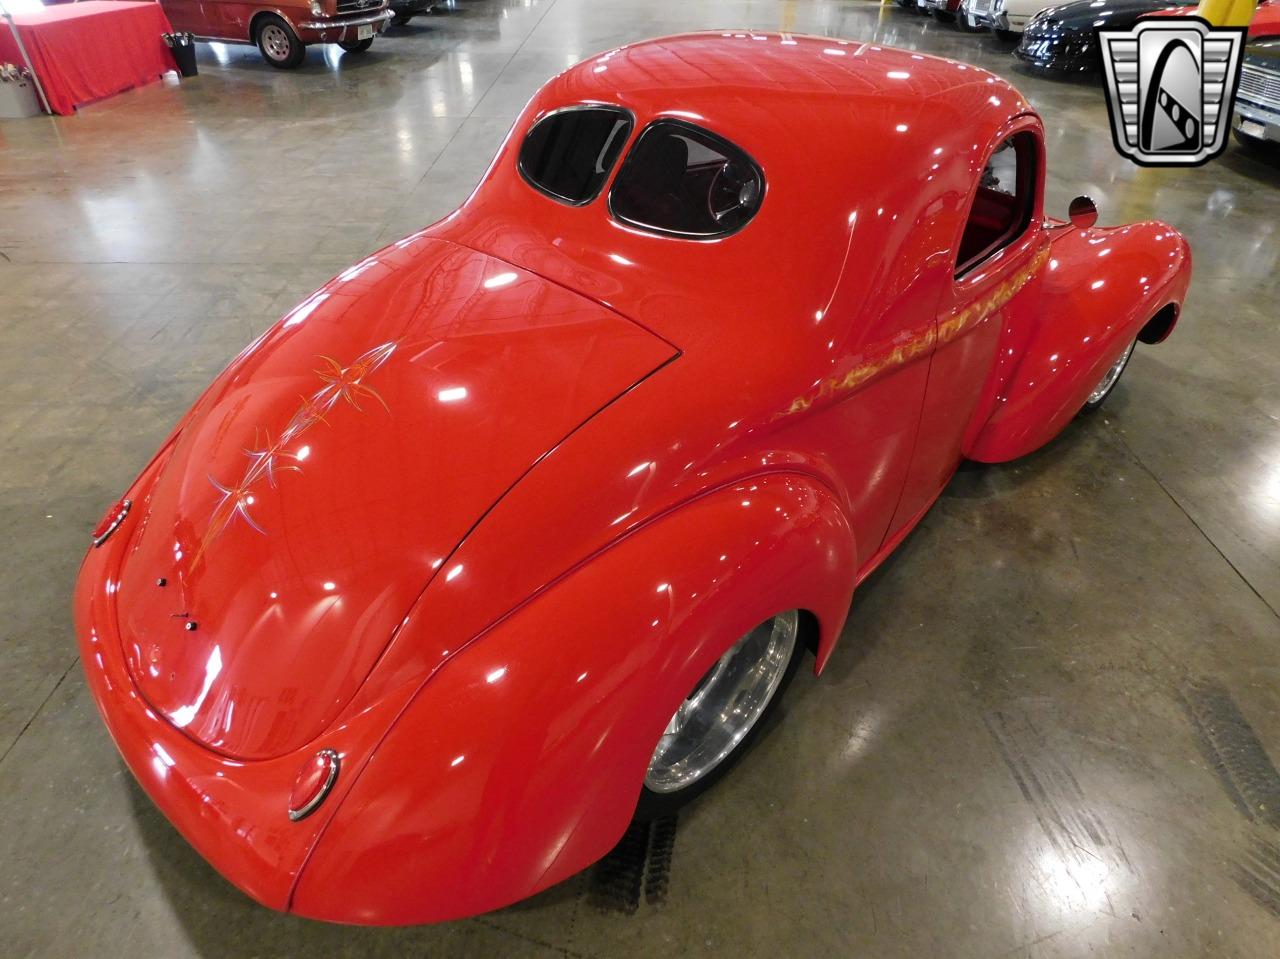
(1006, 17)
(402, 11)
(1061, 38)
(1265, 21)
(282, 31)
(944, 10)
(1256, 120)
(518, 529)
(916, 6)
(1257, 113)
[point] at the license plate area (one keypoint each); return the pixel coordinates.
(1249, 128)
(365, 32)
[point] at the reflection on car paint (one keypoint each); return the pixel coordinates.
(922, 340)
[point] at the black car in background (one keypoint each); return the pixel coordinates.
(1061, 39)
(402, 11)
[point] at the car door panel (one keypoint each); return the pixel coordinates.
(998, 288)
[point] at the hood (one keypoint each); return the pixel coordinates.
(327, 475)
(1086, 14)
(1264, 54)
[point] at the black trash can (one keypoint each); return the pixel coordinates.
(183, 47)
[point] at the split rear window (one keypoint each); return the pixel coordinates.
(568, 154)
(677, 180)
(682, 180)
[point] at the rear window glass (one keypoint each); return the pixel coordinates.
(569, 153)
(682, 180)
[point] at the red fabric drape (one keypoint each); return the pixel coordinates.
(86, 51)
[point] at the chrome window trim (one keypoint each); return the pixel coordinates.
(985, 257)
(715, 138)
(608, 174)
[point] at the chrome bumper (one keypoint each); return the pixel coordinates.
(343, 23)
(977, 19)
(1262, 117)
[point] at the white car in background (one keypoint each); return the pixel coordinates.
(1007, 18)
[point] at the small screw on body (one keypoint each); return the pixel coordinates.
(162, 581)
(190, 625)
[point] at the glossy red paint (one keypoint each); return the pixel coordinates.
(556, 465)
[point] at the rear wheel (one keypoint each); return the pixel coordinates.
(278, 43)
(357, 46)
(722, 716)
(1108, 381)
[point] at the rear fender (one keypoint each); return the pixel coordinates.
(521, 760)
(1101, 290)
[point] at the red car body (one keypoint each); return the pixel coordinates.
(478, 514)
(1264, 23)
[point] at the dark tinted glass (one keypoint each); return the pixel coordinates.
(569, 154)
(683, 180)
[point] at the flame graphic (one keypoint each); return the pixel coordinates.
(270, 457)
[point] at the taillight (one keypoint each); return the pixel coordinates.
(314, 781)
(111, 522)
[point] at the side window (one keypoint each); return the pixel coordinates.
(684, 181)
(1002, 207)
(568, 154)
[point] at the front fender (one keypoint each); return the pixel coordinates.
(1100, 289)
(521, 760)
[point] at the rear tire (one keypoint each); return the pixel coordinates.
(722, 717)
(357, 46)
(278, 44)
(1108, 382)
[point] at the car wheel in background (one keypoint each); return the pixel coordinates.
(1009, 36)
(1108, 381)
(400, 19)
(278, 43)
(357, 46)
(722, 716)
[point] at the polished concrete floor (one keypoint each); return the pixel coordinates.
(1051, 727)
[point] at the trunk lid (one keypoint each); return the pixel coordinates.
(327, 475)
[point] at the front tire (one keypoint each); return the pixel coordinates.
(400, 19)
(357, 46)
(722, 717)
(278, 44)
(1108, 382)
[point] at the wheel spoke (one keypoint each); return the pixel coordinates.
(724, 706)
(1113, 374)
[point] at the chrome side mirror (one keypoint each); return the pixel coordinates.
(1082, 212)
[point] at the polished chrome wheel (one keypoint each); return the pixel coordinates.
(1104, 387)
(724, 706)
(276, 43)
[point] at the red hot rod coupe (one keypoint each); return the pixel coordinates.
(516, 529)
